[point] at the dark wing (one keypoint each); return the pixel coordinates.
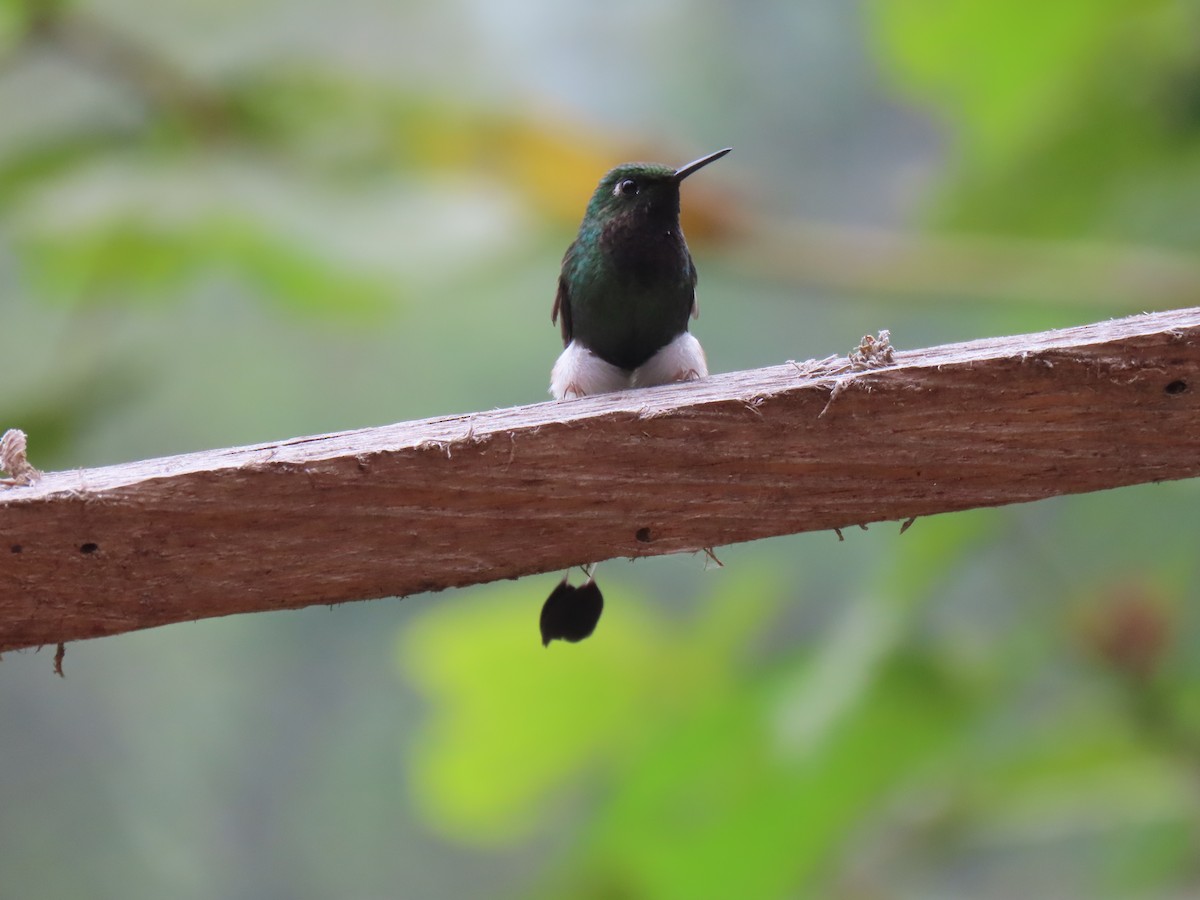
(695, 278)
(562, 306)
(562, 301)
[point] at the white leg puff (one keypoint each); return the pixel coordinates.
(580, 372)
(681, 360)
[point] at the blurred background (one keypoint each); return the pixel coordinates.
(230, 222)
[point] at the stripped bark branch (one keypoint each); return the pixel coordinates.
(461, 500)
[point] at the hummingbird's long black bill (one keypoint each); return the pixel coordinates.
(684, 171)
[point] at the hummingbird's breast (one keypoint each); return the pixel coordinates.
(643, 299)
(646, 257)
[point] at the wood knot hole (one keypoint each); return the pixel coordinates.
(16, 548)
(643, 536)
(89, 547)
(1178, 386)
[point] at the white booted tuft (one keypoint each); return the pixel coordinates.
(681, 360)
(579, 372)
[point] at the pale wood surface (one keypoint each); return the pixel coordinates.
(462, 500)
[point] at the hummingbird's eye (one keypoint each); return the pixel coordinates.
(626, 188)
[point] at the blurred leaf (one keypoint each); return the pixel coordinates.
(719, 809)
(999, 70)
(132, 260)
(513, 721)
(297, 277)
(47, 159)
(930, 550)
(1069, 118)
(13, 19)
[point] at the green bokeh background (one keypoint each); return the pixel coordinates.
(223, 223)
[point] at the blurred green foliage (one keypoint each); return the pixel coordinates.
(227, 224)
(1069, 119)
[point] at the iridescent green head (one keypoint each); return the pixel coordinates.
(643, 189)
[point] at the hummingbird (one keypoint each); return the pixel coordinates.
(628, 287)
(625, 294)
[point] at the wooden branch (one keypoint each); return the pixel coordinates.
(461, 500)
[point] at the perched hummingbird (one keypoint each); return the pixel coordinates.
(626, 292)
(628, 287)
